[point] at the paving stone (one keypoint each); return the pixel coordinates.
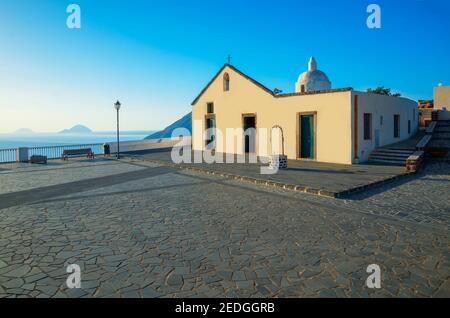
(13, 283)
(67, 254)
(175, 280)
(211, 279)
(2, 264)
(131, 294)
(20, 271)
(89, 284)
(47, 290)
(141, 241)
(238, 276)
(309, 273)
(76, 292)
(115, 258)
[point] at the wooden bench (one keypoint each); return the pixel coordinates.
(38, 159)
(77, 153)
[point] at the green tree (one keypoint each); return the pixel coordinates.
(381, 90)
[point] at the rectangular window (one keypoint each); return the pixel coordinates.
(409, 127)
(367, 126)
(381, 120)
(396, 126)
(210, 108)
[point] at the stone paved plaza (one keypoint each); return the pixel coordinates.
(138, 229)
(310, 174)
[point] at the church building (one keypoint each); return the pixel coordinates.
(318, 122)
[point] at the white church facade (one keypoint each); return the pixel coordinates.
(319, 123)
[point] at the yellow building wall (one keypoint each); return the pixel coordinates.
(333, 122)
(442, 97)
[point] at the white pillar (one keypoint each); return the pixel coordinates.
(22, 154)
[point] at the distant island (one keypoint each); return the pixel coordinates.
(78, 129)
(185, 122)
(24, 131)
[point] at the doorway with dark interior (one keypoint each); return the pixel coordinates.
(249, 125)
(210, 132)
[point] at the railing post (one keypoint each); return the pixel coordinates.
(22, 154)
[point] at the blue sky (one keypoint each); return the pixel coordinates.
(155, 56)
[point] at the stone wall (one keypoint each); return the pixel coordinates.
(415, 161)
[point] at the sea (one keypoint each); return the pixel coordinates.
(8, 141)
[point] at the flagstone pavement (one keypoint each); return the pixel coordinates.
(139, 229)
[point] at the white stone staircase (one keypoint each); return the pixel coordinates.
(391, 155)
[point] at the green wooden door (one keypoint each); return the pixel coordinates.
(307, 136)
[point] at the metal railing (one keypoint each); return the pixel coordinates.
(51, 152)
(8, 155)
(55, 152)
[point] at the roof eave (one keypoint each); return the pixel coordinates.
(237, 71)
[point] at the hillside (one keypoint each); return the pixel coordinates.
(185, 122)
(24, 131)
(78, 129)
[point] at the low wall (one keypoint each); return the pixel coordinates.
(148, 144)
(425, 117)
(443, 115)
(415, 161)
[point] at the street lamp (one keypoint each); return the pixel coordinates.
(117, 107)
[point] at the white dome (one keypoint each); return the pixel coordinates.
(312, 80)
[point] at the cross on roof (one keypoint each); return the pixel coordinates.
(229, 59)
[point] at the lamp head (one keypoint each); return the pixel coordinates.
(117, 105)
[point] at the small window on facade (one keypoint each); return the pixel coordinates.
(381, 120)
(409, 127)
(367, 126)
(210, 108)
(226, 82)
(396, 126)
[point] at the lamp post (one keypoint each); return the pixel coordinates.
(117, 107)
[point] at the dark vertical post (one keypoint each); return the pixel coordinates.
(117, 107)
(118, 141)
(356, 127)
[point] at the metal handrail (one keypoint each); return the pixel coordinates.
(8, 155)
(55, 152)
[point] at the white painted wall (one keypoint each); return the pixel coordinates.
(386, 106)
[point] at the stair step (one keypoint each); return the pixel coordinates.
(388, 158)
(391, 154)
(387, 154)
(397, 150)
(391, 162)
